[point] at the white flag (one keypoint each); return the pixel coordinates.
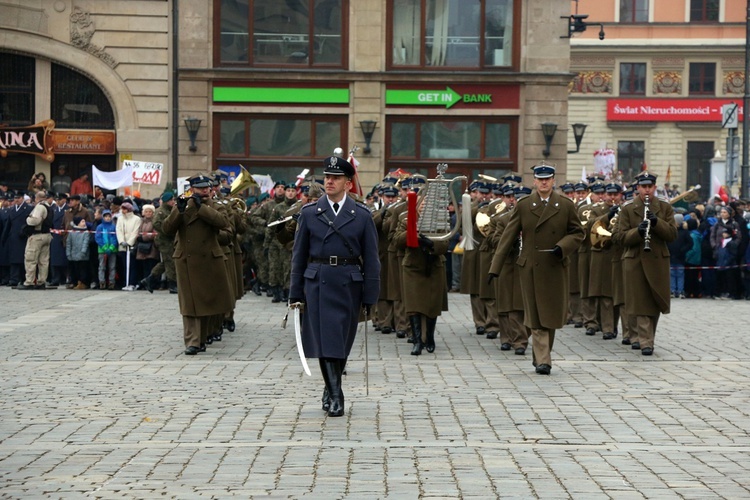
(112, 180)
(264, 181)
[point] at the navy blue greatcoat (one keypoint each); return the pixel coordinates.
(57, 255)
(334, 295)
(16, 241)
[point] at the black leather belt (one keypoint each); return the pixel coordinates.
(333, 260)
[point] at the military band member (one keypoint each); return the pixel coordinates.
(644, 228)
(550, 233)
(470, 265)
(394, 293)
(335, 273)
(588, 304)
(202, 280)
(383, 321)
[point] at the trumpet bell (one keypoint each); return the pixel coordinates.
(242, 182)
(600, 235)
(483, 223)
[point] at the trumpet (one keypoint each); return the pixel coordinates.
(647, 236)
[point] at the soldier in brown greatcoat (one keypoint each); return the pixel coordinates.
(644, 228)
(550, 233)
(390, 224)
(202, 280)
(384, 315)
(588, 303)
(470, 265)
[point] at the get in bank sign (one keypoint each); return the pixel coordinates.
(454, 96)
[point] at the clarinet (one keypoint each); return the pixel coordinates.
(647, 236)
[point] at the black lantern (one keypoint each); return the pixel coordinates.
(192, 125)
(578, 131)
(548, 131)
(368, 128)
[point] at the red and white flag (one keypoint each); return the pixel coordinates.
(356, 185)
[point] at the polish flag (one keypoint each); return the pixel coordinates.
(356, 186)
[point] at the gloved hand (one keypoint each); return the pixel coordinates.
(653, 219)
(181, 204)
(426, 242)
(642, 228)
(491, 277)
(294, 300)
(367, 308)
(296, 216)
(557, 252)
(197, 200)
(613, 211)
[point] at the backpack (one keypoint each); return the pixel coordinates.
(693, 256)
(48, 221)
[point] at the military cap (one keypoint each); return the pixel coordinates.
(497, 188)
(200, 181)
(405, 183)
(167, 195)
(417, 180)
(512, 178)
(338, 166)
(291, 186)
(598, 187)
(510, 189)
(73, 197)
(521, 191)
(19, 194)
(390, 191)
(483, 187)
(474, 185)
(304, 188)
(389, 180)
(613, 187)
(279, 183)
(543, 171)
(645, 178)
(581, 186)
(568, 187)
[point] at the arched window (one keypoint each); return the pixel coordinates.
(78, 102)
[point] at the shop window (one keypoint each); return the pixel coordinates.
(270, 32)
(78, 102)
(471, 34)
(632, 79)
(633, 11)
(287, 140)
(699, 156)
(464, 143)
(704, 10)
(16, 90)
(631, 156)
(702, 79)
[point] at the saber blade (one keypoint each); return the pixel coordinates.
(298, 337)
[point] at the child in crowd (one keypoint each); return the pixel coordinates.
(106, 241)
(77, 251)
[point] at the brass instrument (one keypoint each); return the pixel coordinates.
(238, 204)
(647, 236)
(586, 214)
(242, 182)
(482, 219)
(601, 235)
(434, 221)
(487, 177)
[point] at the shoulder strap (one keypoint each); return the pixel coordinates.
(335, 230)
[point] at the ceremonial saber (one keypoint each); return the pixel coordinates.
(298, 336)
(367, 361)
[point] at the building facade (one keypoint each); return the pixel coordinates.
(278, 85)
(94, 76)
(653, 90)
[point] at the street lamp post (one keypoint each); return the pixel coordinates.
(745, 181)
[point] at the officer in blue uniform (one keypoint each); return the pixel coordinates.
(335, 272)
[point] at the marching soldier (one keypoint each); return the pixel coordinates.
(470, 266)
(551, 232)
(336, 273)
(390, 224)
(384, 318)
(644, 228)
(202, 281)
(165, 244)
(588, 304)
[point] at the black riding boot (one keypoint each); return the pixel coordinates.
(172, 286)
(276, 294)
(416, 328)
(334, 368)
(285, 295)
(326, 399)
(430, 344)
(256, 288)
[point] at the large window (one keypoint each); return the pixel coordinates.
(274, 32)
(78, 102)
(702, 79)
(630, 158)
(273, 139)
(704, 10)
(16, 90)
(632, 79)
(472, 34)
(464, 143)
(633, 11)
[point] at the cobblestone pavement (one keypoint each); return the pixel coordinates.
(98, 401)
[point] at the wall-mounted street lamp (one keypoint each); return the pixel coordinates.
(577, 24)
(192, 125)
(549, 129)
(368, 128)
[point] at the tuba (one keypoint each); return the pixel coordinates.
(434, 220)
(599, 236)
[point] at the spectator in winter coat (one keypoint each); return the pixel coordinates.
(106, 241)
(77, 252)
(128, 226)
(678, 248)
(727, 276)
(147, 254)
(693, 260)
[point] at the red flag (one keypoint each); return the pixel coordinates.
(356, 185)
(643, 167)
(668, 177)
